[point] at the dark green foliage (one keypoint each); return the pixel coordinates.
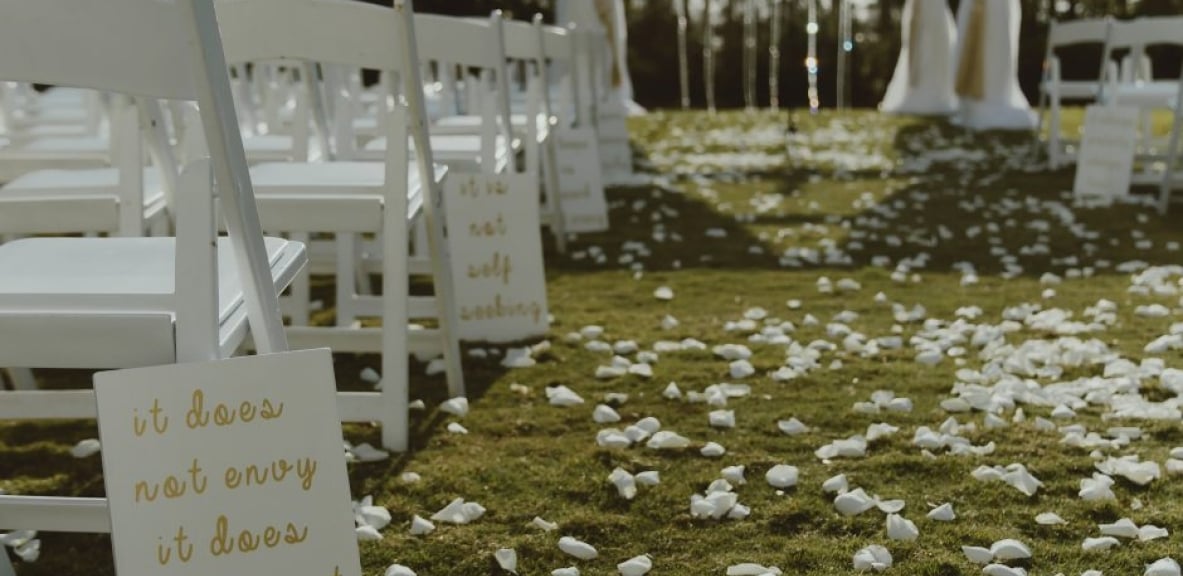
(653, 55)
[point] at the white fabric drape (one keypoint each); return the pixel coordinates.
(584, 14)
(923, 79)
(1002, 105)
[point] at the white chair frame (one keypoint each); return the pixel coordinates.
(163, 51)
(1053, 89)
(1134, 87)
(251, 31)
(1173, 152)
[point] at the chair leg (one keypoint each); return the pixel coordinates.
(22, 379)
(361, 270)
(1037, 136)
(301, 291)
(6, 568)
(419, 249)
(346, 278)
(1168, 184)
(445, 299)
(396, 372)
(554, 194)
(1054, 146)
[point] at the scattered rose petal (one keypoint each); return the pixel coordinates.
(1049, 519)
(900, 528)
(85, 448)
(577, 548)
(942, 513)
(507, 559)
(456, 406)
(872, 557)
(1102, 543)
(544, 525)
(782, 476)
(636, 566)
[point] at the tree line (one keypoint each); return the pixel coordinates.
(653, 48)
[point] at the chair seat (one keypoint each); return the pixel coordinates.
(459, 151)
(275, 147)
(95, 147)
(20, 155)
(53, 131)
(52, 113)
(1076, 89)
(1160, 94)
(335, 179)
(123, 275)
(72, 183)
(471, 124)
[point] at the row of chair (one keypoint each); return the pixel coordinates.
(1126, 76)
(254, 119)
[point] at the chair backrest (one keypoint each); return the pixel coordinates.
(155, 49)
(152, 58)
(469, 42)
(1147, 31)
(1074, 32)
(325, 31)
(475, 43)
(260, 32)
(1134, 36)
(310, 32)
(559, 46)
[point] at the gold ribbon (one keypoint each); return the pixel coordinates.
(914, 24)
(971, 69)
(606, 10)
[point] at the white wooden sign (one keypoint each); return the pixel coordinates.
(582, 188)
(495, 246)
(1106, 157)
(230, 467)
(615, 151)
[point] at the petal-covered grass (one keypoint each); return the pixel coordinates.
(740, 211)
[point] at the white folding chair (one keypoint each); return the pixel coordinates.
(128, 302)
(602, 106)
(1054, 89)
(585, 210)
(351, 198)
(41, 147)
(533, 126)
(447, 43)
(57, 112)
(1170, 178)
(122, 200)
(277, 114)
(478, 44)
(1137, 87)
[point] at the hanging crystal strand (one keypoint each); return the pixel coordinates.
(840, 64)
(845, 47)
(708, 55)
(774, 59)
(811, 57)
(683, 60)
(749, 55)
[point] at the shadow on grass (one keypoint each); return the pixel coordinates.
(953, 213)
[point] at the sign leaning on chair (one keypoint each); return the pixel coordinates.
(229, 467)
(496, 256)
(1106, 158)
(582, 186)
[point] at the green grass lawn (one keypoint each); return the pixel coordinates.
(740, 213)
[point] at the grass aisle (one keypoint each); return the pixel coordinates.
(738, 217)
